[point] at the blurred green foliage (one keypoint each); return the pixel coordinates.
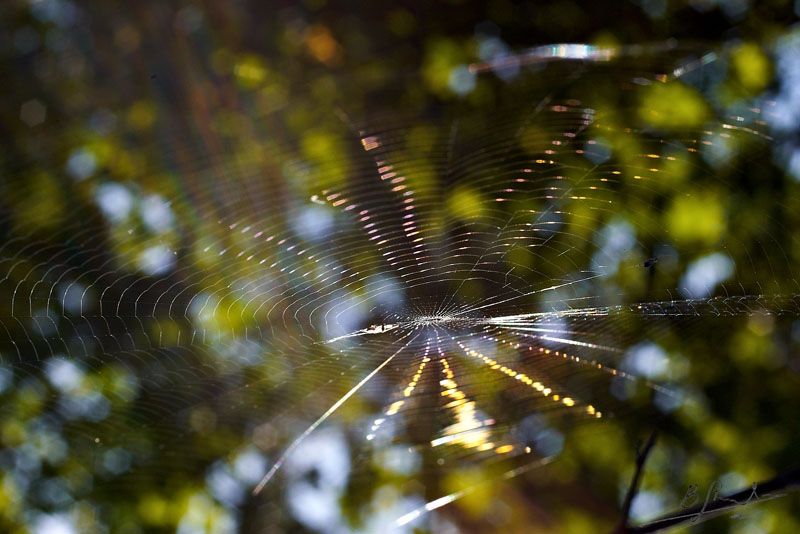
(197, 110)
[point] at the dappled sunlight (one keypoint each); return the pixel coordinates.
(359, 268)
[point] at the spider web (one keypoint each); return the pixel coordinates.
(476, 281)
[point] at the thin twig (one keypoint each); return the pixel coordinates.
(641, 458)
(790, 480)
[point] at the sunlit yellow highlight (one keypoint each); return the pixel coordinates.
(464, 204)
(673, 105)
(394, 408)
(699, 217)
(467, 431)
(751, 67)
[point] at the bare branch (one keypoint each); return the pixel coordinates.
(762, 491)
(641, 458)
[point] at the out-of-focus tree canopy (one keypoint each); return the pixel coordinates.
(494, 245)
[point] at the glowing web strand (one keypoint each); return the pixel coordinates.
(550, 288)
(447, 499)
(407, 391)
(324, 416)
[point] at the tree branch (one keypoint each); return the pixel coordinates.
(641, 458)
(790, 480)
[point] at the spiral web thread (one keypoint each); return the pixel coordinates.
(443, 271)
